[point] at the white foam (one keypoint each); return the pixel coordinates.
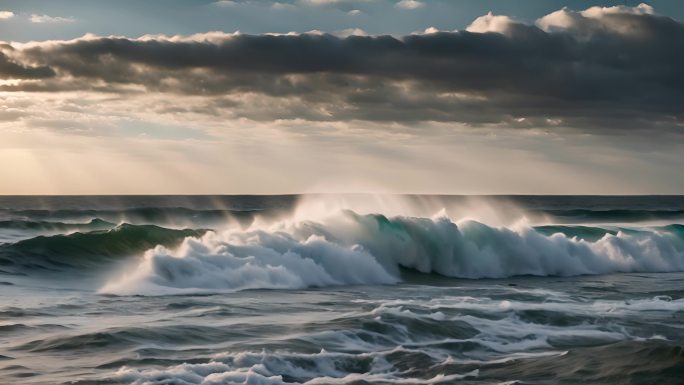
(445, 308)
(270, 368)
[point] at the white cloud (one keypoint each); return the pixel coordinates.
(6, 15)
(410, 4)
(597, 19)
(40, 19)
(490, 23)
(597, 12)
(351, 32)
(430, 30)
(561, 19)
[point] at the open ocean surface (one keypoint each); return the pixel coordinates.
(352, 289)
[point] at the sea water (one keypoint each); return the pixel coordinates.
(353, 289)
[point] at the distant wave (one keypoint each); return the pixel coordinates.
(348, 248)
(182, 216)
(616, 215)
(143, 215)
(20, 224)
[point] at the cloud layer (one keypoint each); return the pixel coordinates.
(601, 68)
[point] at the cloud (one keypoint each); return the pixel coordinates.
(42, 19)
(350, 32)
(6, 15)
(410, 4)
(602, 68)
(601, 20)
(491, 23)
(9, 69)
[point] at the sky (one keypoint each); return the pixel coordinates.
(395, 96)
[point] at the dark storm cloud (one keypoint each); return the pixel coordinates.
(605, 67)
(12, 70)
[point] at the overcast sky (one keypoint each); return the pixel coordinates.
(263, 97)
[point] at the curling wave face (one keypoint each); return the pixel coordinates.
(347, 248)
(83, 250)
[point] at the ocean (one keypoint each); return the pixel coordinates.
(341, 289)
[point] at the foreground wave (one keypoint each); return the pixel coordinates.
(348, 249)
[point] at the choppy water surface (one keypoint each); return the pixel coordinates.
(341, 290)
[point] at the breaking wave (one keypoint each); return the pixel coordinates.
(348, 248)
